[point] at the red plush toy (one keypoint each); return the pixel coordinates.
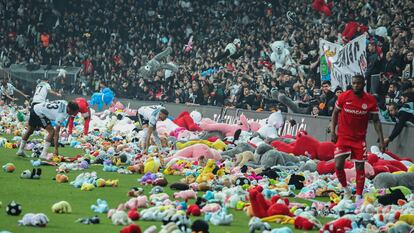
(131, 229)
(184, 120)
(306, 144)
(303, 224)
(351, 29)
(133, 214)
(321, 6)
(337, 226)
(263, 208)
(194, 210)
(328, 167)
(381, 165)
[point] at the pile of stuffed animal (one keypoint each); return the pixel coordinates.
(247, 166)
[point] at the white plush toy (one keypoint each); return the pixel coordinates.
(61, 207)
(384, 156)
(197, 117)
(35, 220)
(281, 56)
(120, 218)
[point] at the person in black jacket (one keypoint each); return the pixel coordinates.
(374, 64)
(326, 97)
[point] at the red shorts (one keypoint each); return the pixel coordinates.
(357, 150)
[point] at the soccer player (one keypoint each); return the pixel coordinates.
(86, 114)
(150, 115)
(7, 92)
(41, 115)
(352, 111)
(42, 89)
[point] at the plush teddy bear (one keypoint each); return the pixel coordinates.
(268, 157)
(61, 178)
(263, 208)
(186, 194)
(62, 207)
(240, 147)
(131, 229)
(35, 220)
(280, 56)
(137, 202)
(155, 64)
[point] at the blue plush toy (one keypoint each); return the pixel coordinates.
(100, 207)
(106, 96)
(110, 168)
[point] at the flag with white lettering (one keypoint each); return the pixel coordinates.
(339, 63)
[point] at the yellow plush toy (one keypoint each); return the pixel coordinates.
(62, 207)
(113, 183)
(218, 144)
(152, 164)
(87, 187)
(408, 218)
(100, 183)
(411, 168)
(207, 173)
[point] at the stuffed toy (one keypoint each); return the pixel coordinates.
(297, 181)
(155, 64)
(218, 144)
(281, 230)
(131, 229)
(388, 180)
(351, 29)
(206, 174)
(193, 210)
(381, 165)
(106, 97)
(226, 129)
(135, 192)
(194, 152)
(340, 225)
(9, 167)
(100, 207)
(186, 121)
(400, 227)
(133, 214)
(120, 218)
(309, 165)
(62, 207)
(267, 157)
(34, 174)
(187, 194)
(152, 164)
(240, 148)
(243, 158)
(13, 209)
(307, 145)
(328, 167)
(263, 208)
(255, 224)
(408, 218)
(200, 226)
(89, 220)
(87, 187)
(388, 155)
(391, 198)
(220, 217)
(322, 6)
(34, 220)
(280, 56)
(351, 173)
(137, 202)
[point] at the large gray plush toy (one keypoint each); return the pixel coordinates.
(388, 180)
(241, 147)
(282, 98)
(155, 64)
(266, 156)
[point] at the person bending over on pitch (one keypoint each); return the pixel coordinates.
(352, 111)
(86, 114)
(41, 115)
(150, 115)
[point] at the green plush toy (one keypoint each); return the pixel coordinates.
(20, 117)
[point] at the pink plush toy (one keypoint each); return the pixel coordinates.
(351, 173)
(211, 208)
(248, 125)
(186, 194)
(121, 207)
(194, 152)
(137, 202)
(226, 129)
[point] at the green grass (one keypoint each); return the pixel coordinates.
(37, 196)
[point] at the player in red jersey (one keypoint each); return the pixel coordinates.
(353, 109)
(86, 114)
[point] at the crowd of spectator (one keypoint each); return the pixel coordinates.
(108, 39)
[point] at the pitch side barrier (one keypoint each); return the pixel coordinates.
(403, 145)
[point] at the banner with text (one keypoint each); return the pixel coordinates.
(339, 63)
